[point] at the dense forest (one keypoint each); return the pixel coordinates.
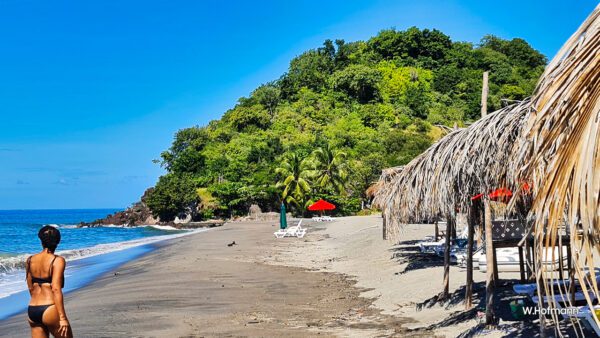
(340, 114)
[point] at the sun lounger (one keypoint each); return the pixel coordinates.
(531, 288)
(585, 313)
(327, 218)
(590, 319)
(292, 231)
(317, 219)
(430, 247)
(508, 260)
(564, 298)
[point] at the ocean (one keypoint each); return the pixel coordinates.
(89, 252)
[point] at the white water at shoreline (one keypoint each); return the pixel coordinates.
(12, 268)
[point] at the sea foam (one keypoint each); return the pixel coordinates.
(12, 267)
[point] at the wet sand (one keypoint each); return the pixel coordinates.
(197, 286)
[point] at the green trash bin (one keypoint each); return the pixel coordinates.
(516, 309)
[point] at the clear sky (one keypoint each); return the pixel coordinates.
(92, 91)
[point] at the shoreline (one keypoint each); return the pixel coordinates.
(341, 279)
(198, 286)
(81, 270)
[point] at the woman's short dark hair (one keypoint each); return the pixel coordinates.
(50, 237)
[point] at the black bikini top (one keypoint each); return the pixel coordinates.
(41, 281)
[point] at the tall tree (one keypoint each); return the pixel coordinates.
(329, 169)
(292, 171)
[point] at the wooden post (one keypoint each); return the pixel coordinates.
(437, 231)
(480, 228)
(521, 264)
(529, 259)
(446, 291)
(384, 226)
(570, 264)
(472, 221)
(484, 94)
(454, 231)
(496, 278)
(489, 253)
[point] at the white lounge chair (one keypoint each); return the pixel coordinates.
(564, 298)
(508, 260)
(327, 219)
(531, 288)
(430, 247)
(317, 219)
(585, 313)
(292, 231)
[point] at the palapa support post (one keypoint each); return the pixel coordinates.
(480, 230)
(446, 291)
(454, 231)
(384, 226)
(491, 267)
(521, 264)
(529, 260)
(473, 217)
(496, 278)
(484, 94)
(437, 231)
(571, 273)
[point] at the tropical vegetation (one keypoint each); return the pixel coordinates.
(340, 114)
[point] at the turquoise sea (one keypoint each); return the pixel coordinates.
(89, 252)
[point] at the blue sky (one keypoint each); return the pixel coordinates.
(92, 91)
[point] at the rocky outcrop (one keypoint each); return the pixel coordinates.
(137, 214)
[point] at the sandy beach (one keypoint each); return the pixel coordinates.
(342, 279)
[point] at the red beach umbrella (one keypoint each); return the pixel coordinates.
(321, 205)
(499, 195)
(476, 197)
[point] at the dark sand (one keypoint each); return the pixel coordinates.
(197, 286)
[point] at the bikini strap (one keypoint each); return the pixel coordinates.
(51, 264)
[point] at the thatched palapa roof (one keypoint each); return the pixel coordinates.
(460, 165)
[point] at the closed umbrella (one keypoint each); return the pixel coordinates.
(282, 217)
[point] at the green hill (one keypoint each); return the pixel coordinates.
(340, 114)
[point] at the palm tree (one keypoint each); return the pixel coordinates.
(329, 169)
(292, 171)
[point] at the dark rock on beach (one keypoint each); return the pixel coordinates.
(137, 214)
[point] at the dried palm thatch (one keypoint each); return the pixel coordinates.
(461, 164)
(560, 151)
(551, 141)
(379, 189)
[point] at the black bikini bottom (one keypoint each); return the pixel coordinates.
(36, 312)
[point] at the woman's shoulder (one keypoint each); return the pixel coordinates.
(59, 259)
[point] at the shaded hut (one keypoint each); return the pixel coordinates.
(380, 190)
(551, 141)
(560, 155)
(462, 164)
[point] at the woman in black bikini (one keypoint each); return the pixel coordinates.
(45, 280)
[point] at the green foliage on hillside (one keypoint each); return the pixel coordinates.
(340, 114)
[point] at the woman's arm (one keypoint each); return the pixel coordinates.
(58, 277)
(28, 276)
